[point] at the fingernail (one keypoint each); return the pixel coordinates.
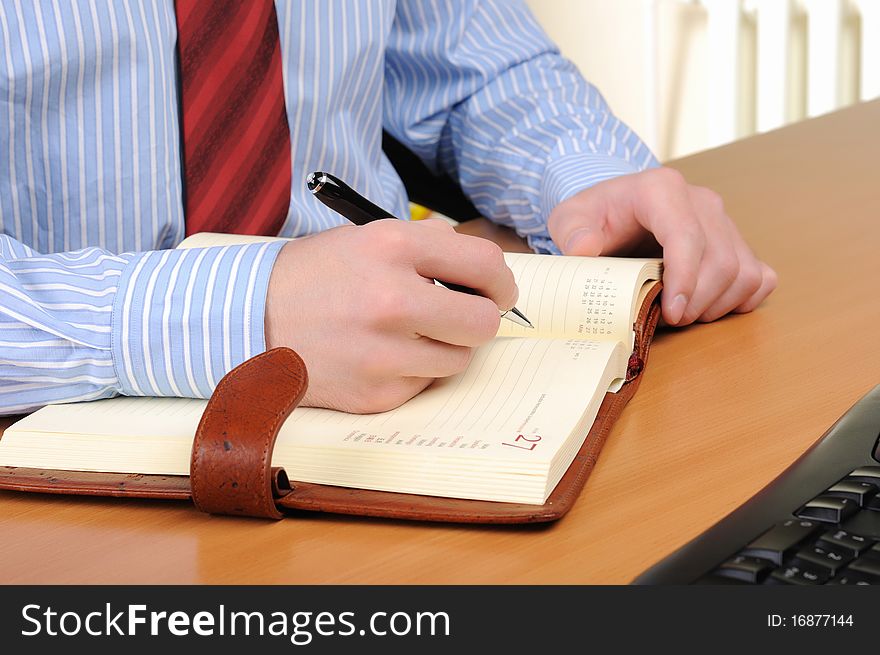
(576, 236)
(676, 309)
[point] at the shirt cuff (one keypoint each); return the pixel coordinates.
(182, 319)
(568, 175)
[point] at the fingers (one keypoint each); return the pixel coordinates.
(600, 221)
(577, 225)
(428, 310)
(664, 208)
(709, 269)
(380, 396)
(627, 214)
(724, 274)
(419, 358)
(743, 286)
(730, 275)
(769, 280)
(438, 252)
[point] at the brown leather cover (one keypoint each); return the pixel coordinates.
(231, 474)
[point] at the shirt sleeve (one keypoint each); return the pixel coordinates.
(90, 324)
(477, 90)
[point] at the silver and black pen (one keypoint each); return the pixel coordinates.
(344, 200)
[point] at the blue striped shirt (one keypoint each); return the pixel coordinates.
(94, 303)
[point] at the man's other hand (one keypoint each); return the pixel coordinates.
(709, 269)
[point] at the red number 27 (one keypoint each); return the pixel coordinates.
(533, 441)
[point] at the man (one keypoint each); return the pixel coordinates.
(110, 151)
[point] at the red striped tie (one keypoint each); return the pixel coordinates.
(236, 140)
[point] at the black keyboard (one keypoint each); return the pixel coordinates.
(817, 523)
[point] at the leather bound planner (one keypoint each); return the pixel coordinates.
(230, 464)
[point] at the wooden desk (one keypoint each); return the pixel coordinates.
(723, 408)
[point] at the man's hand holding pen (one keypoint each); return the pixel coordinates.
(360, 306)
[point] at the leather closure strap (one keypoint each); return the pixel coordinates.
(231, 467)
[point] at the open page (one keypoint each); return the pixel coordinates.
(513, 386)
(578, 297)
(492, 432)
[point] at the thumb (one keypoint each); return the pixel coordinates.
(578, 228)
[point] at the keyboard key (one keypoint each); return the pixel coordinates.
(856, 490)
(748, 569)
(827, 556)
(873, 504)
(828, 509)
(801, 573)
(781, 540)
(867, 566)
(843, 539)
(866, 474)
(873, 552)
(865, 523)
(854, 578)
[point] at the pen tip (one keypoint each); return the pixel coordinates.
(520, 318)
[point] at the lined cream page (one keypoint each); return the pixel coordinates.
(127, 435)
(512, 387)
(577, 297)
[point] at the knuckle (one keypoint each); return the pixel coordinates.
(491, 254)
(728, 268)
(502, 283)
(386, 307)
(711, 199)
(693, 235)
(752, 279)
(669, 176)
(388, 237)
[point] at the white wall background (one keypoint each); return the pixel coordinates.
(691, 74)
